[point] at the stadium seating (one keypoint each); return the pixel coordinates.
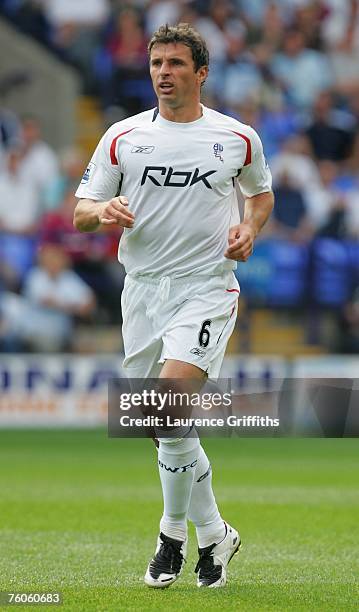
(276, 274)
(331, 273)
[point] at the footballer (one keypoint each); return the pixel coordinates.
(168, 177)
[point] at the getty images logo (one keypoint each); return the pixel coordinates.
(175, 179)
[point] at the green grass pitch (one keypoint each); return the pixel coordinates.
(79, 513)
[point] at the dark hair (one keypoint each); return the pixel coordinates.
(185, 34)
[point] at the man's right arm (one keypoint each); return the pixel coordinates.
(91, 216)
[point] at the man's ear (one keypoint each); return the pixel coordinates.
(202, 74)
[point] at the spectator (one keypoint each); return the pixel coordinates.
(324, 198)
(10, 127)
(296, 65)
(80, 13)
(336, 203)
(189, 13)
(308, 19)
(12, 316)
(241, 79)
(19, 203)
(295, 160)
(93, 256)
(20, 212)
(353, 107)
(290, 215)
(331, 131)
(76, 27)
(56, 298)
(338, 16)
(268, 30)
(129, 86)
(30, 17)
(71, 163)
(352, 220)
(161, 11)
(344, 57)
(252, 12)
(38, 165)
(219, 28)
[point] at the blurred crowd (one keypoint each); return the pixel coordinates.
(51, 275)
(289, 68)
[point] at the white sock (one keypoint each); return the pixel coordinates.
(203, 510)
(177, 460)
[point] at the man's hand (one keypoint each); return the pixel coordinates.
(240, 241)
(115, 211)
(241, 237)
(91, 215)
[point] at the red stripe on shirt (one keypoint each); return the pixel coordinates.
(114, 160)
(249, 148)
(232, 291)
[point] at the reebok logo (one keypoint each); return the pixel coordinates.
(197, 351)
(142, 149)
(181, 469)
(173, 178)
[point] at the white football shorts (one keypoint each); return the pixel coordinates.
(188, 319)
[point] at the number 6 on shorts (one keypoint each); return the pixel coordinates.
(203, 336)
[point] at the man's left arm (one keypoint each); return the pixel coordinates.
(257, 210)
(255, 182)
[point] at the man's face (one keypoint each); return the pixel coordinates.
(173, 74)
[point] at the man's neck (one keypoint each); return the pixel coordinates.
(182, 114)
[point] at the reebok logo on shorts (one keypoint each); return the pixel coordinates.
(197, 351)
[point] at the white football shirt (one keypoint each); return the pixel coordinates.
(179, 179)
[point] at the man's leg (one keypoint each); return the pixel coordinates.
(184, 332)
(203, 510)
(217, 540)
(177, 460)
(176, 453)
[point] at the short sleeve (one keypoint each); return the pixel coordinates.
(101, 178)
(255, 177)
